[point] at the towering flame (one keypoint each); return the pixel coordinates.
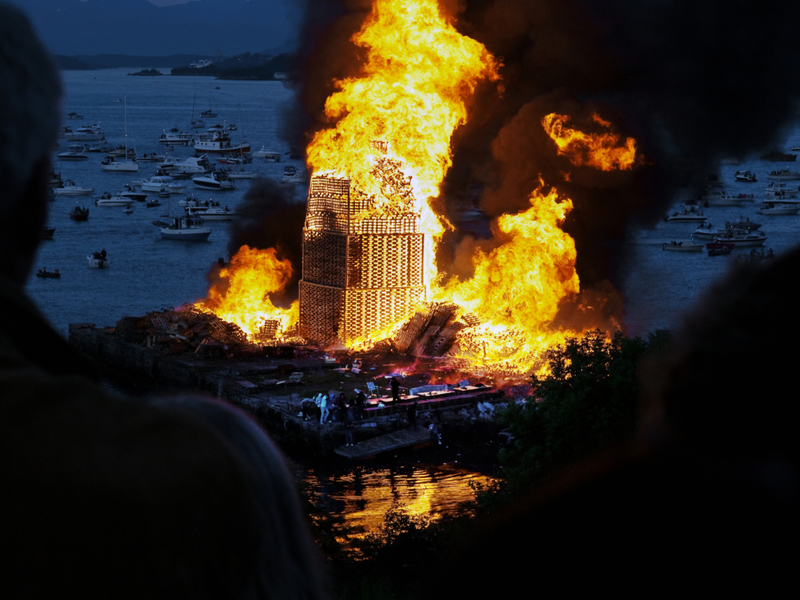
(391, 143)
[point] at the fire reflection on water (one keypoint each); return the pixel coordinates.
(364, 495)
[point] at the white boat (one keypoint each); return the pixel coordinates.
(188, 229)
(682, 246)
(98, 260)
(783, 175)
(218, 180)
(689, 214)
(706, 232)
(157, 183)
(745, 176)
(779, 190)
(779, 207)
(292, 176)
(268, 155)
(742, 237)
(71, 189)
(241, 174)
(216, 213)
(88, 133)
(108, 200)
(109, 163)
(130, 192)
(194, 165)
(726, 199)
(72, 155)
(219, 142)
(151, 157)
(180, 138)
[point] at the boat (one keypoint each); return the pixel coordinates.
(152, 157)
(219, 142)
(153, 202)
(706, 232)
(128, 164)
(194, 165)
(208, 114)
(79, 212)
(719, 248)
(777, 156)
(187, 228)
(241, 174)
(215, 213)
(88, 133)
(48, 232)
(725, 199)
(776, 207)
(779, 190)
(218, 180)
(742, 237)
(743, 223)
(682, 246)
(128, 191)
(108, 200)
(71, 189)
(291, 175)
(745, 176)
(44, 273)
(157, 183)
(98, 260)
(54, 180)
(128, 210)
(109, 163)
(181, 138)
(74, 116)
(74, 155)
(268, 155)
(783, 175)
(689, 214)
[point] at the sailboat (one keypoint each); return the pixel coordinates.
(195, 123)
(128, 165)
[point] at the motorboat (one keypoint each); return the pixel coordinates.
(44, 273)
(128, 191)
(783, 175)
(153, 202)
(71, 189)
(291, 175)
(268, 155)
(743, 223)
(742, 237)
(215, 213)
(187, 228)
(88, 133)
(194, 165)
(54, 180)
(109, 163)
(128, 210)
(219, 142)
(218, 180)
(79, 212)
(73, 155)
(74, 116)
(235, 160)
(779, 207)
(108, 200)
(241, 174)
(208, 114)
(98, 260)
(180, 138)
(724, 199)
(706, 232)
(719, 248)
(121, 152)
(689, 214)
(152, 157)
(745, 176)
(157, 183)
(780, 190)
(682, 246)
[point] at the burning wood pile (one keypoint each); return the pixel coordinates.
(185, 330)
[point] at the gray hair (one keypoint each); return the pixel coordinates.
(30, 93)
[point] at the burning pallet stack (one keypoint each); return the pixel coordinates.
(432, 330)
(363, 270)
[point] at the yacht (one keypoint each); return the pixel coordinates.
(779, 207)
(268, 155)
(783, 175)
(180, 138)
(162, 182)
(89, 133)
(71, 189)
(187, 228)
(219, 142)
(108, 200)
(218, 180)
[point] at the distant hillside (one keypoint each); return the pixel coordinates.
(69, 63)
(244, 66)
(137, 27)
(115, 61)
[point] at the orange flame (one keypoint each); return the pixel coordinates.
(601, 150)
(251, 277)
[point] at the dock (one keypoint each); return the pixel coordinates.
(402, 438)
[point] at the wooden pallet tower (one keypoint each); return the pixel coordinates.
(362, 270)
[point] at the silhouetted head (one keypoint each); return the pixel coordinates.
(30, 93)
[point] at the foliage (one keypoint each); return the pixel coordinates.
(587, 402)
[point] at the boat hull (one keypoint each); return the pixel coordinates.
(189, 234)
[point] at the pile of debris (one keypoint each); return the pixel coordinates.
(183, 330)
(431, 331)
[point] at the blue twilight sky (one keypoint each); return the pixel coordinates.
(163, 27)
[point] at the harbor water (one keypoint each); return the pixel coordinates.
(147, 273)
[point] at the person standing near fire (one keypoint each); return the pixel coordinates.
(395, 390)
(103, 496)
